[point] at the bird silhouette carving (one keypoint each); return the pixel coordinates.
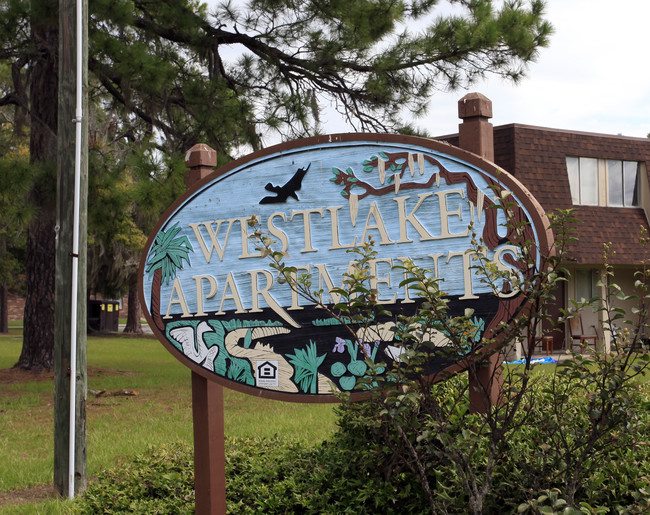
(282, 193)
(193, 343)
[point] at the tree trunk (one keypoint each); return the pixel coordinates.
(4, 312)
(133, 324)
(155, 299)
(38, 320)
(38, 336)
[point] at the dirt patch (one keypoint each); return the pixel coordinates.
(146, 333)
(28, 495)
(20, 375)
(99, 371)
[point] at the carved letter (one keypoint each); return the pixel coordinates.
(379, 225)
(264, 292)
(214, 242)
(375, 280)
(176, 289)
(245, 238)
(334, 217)
(294, 295)
(502, 265)
(445, 213)
(411, 218)
(199, 292)
(234, 295)
(307, 226)
(467, 272)
(278, 233)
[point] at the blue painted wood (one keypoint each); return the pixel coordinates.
(304, 206)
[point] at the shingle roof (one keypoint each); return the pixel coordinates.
(618, 226)
(537, 157)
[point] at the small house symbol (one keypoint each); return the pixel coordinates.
(267, 370)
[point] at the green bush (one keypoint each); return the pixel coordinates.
(359, 470)
(161, 481)
(569, 440)
(617, 478)
(263, 476)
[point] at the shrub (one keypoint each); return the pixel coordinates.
(573, 440)
(359, 471)
(161, 481)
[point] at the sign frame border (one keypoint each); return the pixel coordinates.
(539, 220)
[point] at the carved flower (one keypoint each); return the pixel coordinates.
(340, 345)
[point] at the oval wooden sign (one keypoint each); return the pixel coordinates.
(215, 303)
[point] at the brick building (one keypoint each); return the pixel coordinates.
(603, 177)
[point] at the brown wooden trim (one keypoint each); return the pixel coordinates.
(209, 447)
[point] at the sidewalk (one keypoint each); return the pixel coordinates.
(145, 328)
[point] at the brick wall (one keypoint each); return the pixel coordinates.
(16, 307)
(537, 157)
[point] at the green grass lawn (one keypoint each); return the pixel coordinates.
(120, 426)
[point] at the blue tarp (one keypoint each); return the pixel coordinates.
(534, 361)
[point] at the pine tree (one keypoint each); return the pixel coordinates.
(177, 73)
(15, 184)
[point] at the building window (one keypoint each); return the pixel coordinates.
(600, 182)
(585, 284)
(583, 178)
(623, 177)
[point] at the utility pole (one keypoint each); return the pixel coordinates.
(70, 378)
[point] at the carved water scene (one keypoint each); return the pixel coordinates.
(219, 307)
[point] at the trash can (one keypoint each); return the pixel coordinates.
(103, 316)
(109, 319)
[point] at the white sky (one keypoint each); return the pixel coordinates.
(594, 76)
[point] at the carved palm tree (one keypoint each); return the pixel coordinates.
(166, 256)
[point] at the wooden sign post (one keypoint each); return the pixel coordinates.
(207, 396)
(213, 300)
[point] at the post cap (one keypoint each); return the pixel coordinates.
(474, 105)
(201, 155)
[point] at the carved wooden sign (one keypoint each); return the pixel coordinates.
(215, 303)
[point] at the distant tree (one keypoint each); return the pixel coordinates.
(172, 71)
(114, 240)
(16, 212)
(15, 181)
(29, 48)
(130, 186)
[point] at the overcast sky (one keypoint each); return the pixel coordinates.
(594, 76)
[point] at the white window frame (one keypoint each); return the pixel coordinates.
(627, 188)
(589, 181)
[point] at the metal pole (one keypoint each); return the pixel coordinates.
(75, 249)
